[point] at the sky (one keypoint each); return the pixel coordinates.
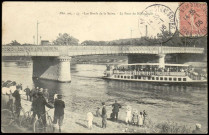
(19, 20)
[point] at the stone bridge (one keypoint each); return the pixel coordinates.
(53, 62)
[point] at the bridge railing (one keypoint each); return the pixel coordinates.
(90, 50)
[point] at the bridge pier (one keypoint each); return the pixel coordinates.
(161, 60)
(52, 68)
(64, 74)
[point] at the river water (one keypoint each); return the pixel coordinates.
(182, 104)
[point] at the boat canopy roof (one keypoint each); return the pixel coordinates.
(154, 64)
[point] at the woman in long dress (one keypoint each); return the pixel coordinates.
(141, 119)
(128, 115)
(90, 118)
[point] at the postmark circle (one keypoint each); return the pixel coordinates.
(191, 19)
(158, 23)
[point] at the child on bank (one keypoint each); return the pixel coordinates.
(59, 106)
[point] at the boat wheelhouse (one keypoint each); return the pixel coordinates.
(152, 72)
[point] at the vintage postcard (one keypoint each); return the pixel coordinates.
(104, 67)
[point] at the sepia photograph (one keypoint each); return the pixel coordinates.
(104, 67)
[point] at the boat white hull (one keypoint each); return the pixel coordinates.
(157, 81)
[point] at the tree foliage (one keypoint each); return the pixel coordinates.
(14, 43)
(165, 37)
(65, 39)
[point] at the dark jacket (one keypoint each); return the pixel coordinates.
(116, 107)
(16, 94)
(32, 92)
(27, 90)
(46, 94)
(59, 106)
(39, 105)
(104, 112)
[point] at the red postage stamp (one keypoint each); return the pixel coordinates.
(192, 19)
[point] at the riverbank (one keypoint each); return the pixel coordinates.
(75, 121)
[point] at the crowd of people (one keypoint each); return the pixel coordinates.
(11, 95)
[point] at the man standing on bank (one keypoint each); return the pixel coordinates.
(104, 116)
(59, 106)
(18, 106)
(115, 110)
(46, 94)
(38, 107)
(27, 92)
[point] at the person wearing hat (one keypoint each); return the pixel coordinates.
(12, 89)
(115, 110)
(33, 94)
(9, 95)
(135, 118)
(198, 129)
(140, 119)
(46, 94)
(128, 115)
(59, 106)
(90, 118)
(97, 112)
(104, 116)
(144, 116)
(38, 107)
(5, 97)
(27, 92)
(41, 90)
(17, 96)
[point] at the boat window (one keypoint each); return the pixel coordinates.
(139, 77)
(153, 78)
(128, 77)
(165, 78)
(118, 76)
(115, 76)
(149, 78)
(132, 77)
(157, 78)
(184, 79)
(135, 77)
(174, 79)
(121, 76)
(170, 79)
(161, 78)
(124, 76)
(179, 79)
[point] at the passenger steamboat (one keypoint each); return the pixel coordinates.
(152, 72)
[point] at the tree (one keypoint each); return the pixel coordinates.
(65, 39)
(14, 42)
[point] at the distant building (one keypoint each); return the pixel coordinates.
(45, 42)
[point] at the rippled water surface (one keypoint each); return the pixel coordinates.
(184, 104)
